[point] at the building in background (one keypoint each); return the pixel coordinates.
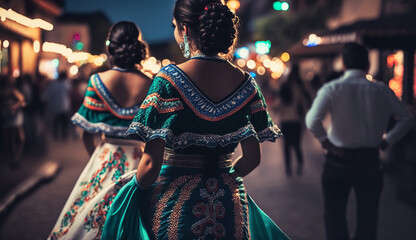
(22, 26)
(76, 45)
(386, 27)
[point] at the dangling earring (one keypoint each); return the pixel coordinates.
(184, 46)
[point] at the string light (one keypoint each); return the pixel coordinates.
(36, 46)
(23, 20)
(71, 56)
(6, 43)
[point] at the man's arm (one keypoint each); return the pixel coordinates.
(404, 119)
(316, 114)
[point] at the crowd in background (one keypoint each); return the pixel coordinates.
(29, 106)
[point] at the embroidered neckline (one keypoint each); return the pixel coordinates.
(108, 99)
(203, 106)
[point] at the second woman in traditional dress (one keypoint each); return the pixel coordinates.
(111, 101)
(193, 118)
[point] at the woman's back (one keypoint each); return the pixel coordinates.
(215, 79)
(127, 88)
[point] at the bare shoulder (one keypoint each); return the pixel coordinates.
(107, 76)
(237, 71)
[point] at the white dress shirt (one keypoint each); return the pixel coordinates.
(359, 110)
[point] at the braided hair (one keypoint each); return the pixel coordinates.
(212, 25)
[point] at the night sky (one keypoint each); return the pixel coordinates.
(152, 16)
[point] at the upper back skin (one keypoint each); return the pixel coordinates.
(127, 88)
(217, 80)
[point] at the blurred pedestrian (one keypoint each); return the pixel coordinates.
(11, 103)
(111, 101)
(294, 102)
(76, 95)
(56, 99)
(359, 110)
(195, 115)
(25, 85)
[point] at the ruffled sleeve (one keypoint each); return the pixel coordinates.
(158, 113)
(263, 124)
(95, 115)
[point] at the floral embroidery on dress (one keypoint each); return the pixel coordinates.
(97, 216)
(117, 165)
(257, 106)
(162, 105)
(202, 106)
(210, 211)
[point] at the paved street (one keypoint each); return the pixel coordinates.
(294, 203)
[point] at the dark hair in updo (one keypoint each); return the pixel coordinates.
(212, 25)
(126, 47)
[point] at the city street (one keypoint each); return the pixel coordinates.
(294, 203)
(178, 66)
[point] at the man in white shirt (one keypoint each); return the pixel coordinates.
(360, 110)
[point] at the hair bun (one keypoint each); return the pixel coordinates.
(217, 31)
(125, 49)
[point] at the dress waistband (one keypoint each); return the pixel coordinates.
(121, 141)
(171, 158)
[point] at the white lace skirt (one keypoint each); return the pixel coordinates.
(84, 212)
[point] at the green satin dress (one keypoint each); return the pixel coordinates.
(187, 201)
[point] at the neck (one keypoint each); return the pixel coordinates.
(123, 69)
(209, 58)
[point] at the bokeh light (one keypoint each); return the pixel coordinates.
(261, 70)
(6, 43)
(285, 57)
(251, 64)
(267, 63)
(73, 70)
(241, 63)
(165, 62)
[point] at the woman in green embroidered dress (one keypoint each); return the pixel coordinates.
(193, 118)
(111, 101)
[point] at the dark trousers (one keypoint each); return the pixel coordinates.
(358, 170)
(60, 124)
(292, 132)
